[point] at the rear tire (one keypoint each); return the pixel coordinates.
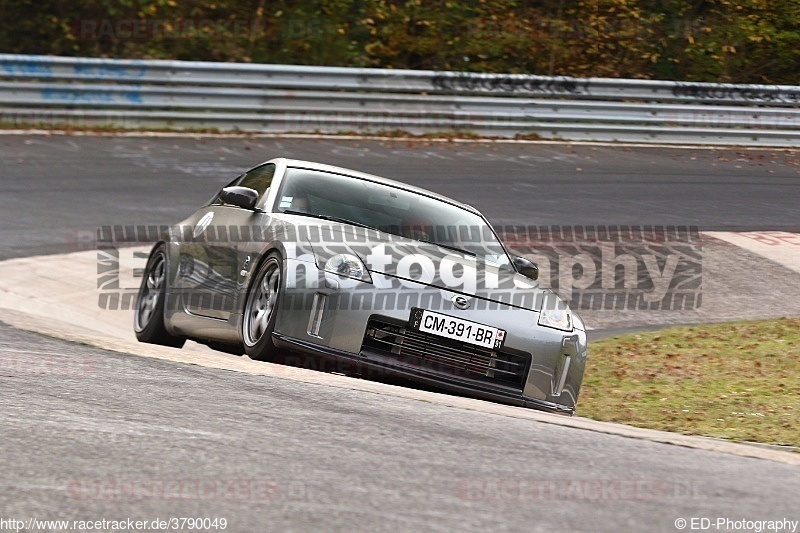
(261, 309)
(148, 316)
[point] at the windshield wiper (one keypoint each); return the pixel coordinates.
(330, 218)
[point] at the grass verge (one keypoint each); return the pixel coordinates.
(737, 381)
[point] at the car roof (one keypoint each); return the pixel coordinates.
(299, 163)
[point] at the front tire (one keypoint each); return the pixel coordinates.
(261, 309)
(148, 316)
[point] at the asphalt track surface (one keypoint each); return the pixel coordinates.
(90, 435)
(116, 435)
(54, 186)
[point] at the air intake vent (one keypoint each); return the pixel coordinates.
(444, 356)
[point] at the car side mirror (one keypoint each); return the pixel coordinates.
(526, 268)
(243, 197)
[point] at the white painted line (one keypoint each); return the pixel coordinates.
(57, 295)
(778, 246)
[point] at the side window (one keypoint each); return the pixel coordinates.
(259, 179)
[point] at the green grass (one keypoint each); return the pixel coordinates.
(738, 381)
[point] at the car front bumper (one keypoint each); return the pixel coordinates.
(374, 366)
(368, 326)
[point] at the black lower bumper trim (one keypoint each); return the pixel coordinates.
(381, 367)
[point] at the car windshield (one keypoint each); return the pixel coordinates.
(389, 209)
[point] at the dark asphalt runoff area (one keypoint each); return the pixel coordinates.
(94, 435)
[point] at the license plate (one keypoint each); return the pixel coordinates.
(457, 328)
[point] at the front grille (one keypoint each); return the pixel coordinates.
(410, 348)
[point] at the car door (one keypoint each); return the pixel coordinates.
(209, 264)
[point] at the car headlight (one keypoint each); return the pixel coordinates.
(556, 318)
(349, 266)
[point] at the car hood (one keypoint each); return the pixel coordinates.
(396, 262)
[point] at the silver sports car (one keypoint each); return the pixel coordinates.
(294, 257)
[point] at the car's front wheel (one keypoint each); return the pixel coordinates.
(261, 309)
(148, 317)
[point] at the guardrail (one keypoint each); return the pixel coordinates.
(289, 98)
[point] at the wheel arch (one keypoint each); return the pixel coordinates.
(251, 275)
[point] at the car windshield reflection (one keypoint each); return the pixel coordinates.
(392, 210)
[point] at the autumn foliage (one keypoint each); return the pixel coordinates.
(746, 41)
